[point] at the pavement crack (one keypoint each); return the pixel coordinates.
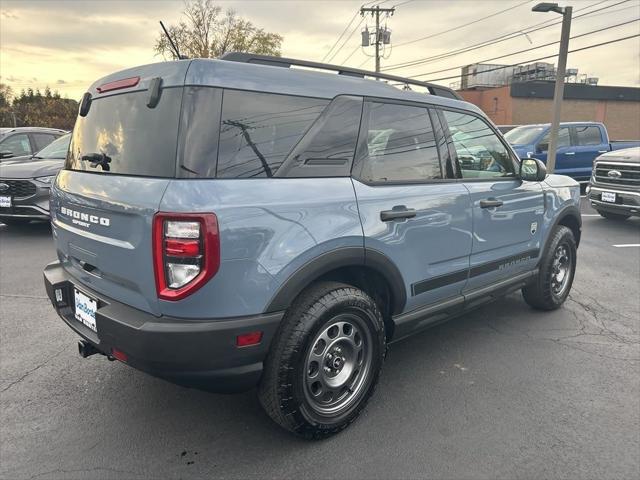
(29, 372)
(17, 295)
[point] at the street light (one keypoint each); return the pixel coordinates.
(560, 74)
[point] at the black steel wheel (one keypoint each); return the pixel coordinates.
(325, 361)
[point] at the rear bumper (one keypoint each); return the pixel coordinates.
(200, 354)
(627, 201)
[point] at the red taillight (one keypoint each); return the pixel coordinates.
(186, 252)
(248, 339)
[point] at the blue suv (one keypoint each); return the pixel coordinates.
(226, 224)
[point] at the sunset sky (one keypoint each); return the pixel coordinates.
(69, 44)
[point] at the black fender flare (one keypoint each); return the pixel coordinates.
(332, 260)
(568, 211)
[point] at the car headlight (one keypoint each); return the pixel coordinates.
(45, 180)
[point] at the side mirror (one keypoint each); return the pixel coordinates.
(532, 170)
(6, 154)
(542, 147)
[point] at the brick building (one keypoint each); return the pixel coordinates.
(531, 102)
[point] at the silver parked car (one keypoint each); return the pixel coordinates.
(24, 186)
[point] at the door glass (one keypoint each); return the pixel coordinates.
(16, 144)
(564, 140)
(588, 135)
(400, 145)
(479, 150)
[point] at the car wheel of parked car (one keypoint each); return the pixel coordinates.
(557, 269)
(613, 216)
(325, 361)
(15, 222)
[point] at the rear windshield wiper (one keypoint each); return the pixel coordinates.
(101, 159)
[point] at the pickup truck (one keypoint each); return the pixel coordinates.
(579, 143)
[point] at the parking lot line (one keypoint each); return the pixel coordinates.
(624, 245)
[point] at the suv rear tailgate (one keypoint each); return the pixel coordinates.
(102, 231)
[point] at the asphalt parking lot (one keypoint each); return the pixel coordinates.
(505, 392)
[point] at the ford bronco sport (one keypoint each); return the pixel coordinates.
(242, 222)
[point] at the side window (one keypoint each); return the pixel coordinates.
(479, 150)
(258, 130)
(398, 146)
(42, 140)
(564, 140)
(328, 147)
(17, 144)
(588, 135)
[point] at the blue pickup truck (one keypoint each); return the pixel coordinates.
(579, 143)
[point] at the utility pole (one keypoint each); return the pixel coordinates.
(380, 36)
(558, 93)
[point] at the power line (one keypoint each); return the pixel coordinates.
(341, 35)
(462, 26)
(534, 48)
(499, 39)
(535, 59)
(346, 40)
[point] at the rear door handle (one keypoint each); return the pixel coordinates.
(490, 203)
(396, 213)
(570, 153)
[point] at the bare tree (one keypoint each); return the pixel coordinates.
(206, 32)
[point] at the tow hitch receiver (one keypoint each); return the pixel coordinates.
(85, 349)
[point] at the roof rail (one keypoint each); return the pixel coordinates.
(351, 72)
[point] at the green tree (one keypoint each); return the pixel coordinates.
(33, 109)
(6, 112)
(207, 32)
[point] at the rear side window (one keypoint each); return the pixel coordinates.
(399, 145)
(588, 135)
(258, 130)
(328, 147)
(121, 135)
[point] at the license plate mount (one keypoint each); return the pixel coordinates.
(609, 197)
(85, 309)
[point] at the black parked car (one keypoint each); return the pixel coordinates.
(22, 142)
(24, 186)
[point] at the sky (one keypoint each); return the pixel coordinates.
(67, 45)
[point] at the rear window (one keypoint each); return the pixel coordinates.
(121, 135)
(258, 130)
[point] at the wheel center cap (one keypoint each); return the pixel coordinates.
(337, 363)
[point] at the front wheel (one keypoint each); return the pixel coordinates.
(613, 216)
(325, 361)
(557, 268)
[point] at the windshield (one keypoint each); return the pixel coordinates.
(523, 135)
(56, 149)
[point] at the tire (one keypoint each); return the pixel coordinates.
(15, 222)
(613, 216)
(557, 270)
(317, 378)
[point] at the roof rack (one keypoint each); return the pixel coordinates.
(347, 71)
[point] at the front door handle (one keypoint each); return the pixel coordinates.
(397, 213)
(491, 203)
(569, 153)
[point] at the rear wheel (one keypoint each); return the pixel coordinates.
(557, 269)
(325, 362)
(613, 216)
